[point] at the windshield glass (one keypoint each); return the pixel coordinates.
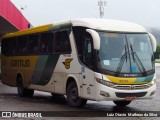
(125, 53)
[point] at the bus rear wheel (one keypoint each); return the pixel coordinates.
(122, 103)
(23, 92)
(72, 96)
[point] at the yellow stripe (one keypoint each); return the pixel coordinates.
(29, 31)
(121, 80)
(11, 69)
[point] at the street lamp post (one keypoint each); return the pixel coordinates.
(101, 4)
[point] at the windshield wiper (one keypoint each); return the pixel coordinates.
(138, 62)
(120, 65)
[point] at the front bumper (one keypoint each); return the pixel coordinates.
(104, 93)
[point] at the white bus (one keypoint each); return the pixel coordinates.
(84, 59)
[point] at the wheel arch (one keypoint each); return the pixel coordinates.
(73, 79)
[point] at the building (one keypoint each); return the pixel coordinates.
(11, 19)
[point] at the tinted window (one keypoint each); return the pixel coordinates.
(33, 43)
(88, 51)
(62, 42)
(41, 43)
(21, 45)
(46, 44)
(84, 45)
(9, 46)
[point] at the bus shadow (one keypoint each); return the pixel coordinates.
(58, 99)
(61, 100)
(108, 107)
(35, 99)
(8, 95)
(47, 99)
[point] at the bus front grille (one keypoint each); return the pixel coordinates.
(124, 95)
(131, 87)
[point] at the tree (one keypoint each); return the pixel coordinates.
(157, 53)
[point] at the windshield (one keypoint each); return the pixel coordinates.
(125, 53)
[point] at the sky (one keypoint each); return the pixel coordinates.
(40, 12)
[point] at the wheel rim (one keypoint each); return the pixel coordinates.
(74, 94)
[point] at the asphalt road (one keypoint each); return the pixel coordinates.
(41, 101)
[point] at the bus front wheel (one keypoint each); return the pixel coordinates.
(122, 103)
(22, 92)
(72, 96)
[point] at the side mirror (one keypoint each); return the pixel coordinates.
(95, 37)
(154, 42)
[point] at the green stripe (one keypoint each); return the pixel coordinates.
(38, 69)
(145, 79)
(49, 69)
(44, 69)
(67, 26)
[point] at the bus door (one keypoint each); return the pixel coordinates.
(88, 86)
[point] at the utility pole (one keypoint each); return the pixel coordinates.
(101, 4)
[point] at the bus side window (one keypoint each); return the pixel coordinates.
(79, 37)
(62, 43)
(34, 42)
(5, 46)
(46, 45)
(9, 46)
(22, 45)
(88, 50)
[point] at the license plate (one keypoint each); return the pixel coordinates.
(130, 98)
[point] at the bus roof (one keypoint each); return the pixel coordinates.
(43, 28)
(109, 25)
(93, 23)
(29, 31)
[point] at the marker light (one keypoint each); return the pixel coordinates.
(104, 82)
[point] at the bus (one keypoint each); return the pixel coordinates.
(83, 59)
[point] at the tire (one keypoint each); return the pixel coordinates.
(72, 96)
(23, 92)
(122, 103)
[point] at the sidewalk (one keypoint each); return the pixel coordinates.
(157, 64)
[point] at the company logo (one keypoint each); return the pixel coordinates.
(20, 63)
(67, 63)
(21, 114)
(132, 87)
(6, 114)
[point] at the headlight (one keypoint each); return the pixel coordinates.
(152, 82)
(104, 82)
